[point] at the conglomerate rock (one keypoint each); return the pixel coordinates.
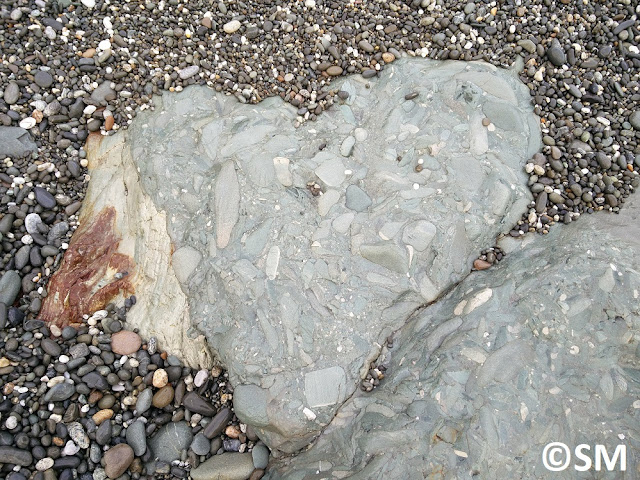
(296, 252)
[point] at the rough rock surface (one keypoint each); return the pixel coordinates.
(121, 248)
(303, 288)
(542, 348)
(16, 142)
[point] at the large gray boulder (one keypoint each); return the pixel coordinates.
(297, 251)
(541, 349)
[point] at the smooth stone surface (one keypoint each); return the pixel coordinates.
(10, 285)
(137, 438)
(260, 456)
(168, 443)
(16, 456)
(125, 342)
(228, 466)
(59, 392)
(201, 445)
(198, 404)
(117, 460)
(144, 401)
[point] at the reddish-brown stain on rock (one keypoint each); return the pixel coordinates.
(85, 281)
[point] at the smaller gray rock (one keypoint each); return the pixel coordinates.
(144, 400)
(556, 56)
(201, 445)
(137, 438)
(51, 347)
(60, 392)
(11, 93)
(43, 79)
(228, 466)
(347, 146)
(44, 198)
(260, 455)
(103, 433)
(634, 119)
(95, 380)
(103, 92)
(79, 350)
(171, 439)
(21, 257)
(188, 72)
(57, 231)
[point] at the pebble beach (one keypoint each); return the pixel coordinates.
(94, 400)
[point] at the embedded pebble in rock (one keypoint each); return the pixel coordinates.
(117, 460)
(125, 342)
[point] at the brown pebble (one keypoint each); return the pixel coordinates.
(481, 264)
(419, 168)
(102, 415)
(57, 441)
(95, 396)
(125, 342)
(108, 123)
(486, 122)
(388, 57)
(89, 53)
(232, 431)
(163, 397)
(257, 474)
(117, 459)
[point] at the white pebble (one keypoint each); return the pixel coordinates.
(70, 449)
(63, 359)
(28, 123)
(104, 45)
(88, 3)
(44, 464)
(11, 423)
(201, 377)
(89, 109)
(232, 26)
(27, 239)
